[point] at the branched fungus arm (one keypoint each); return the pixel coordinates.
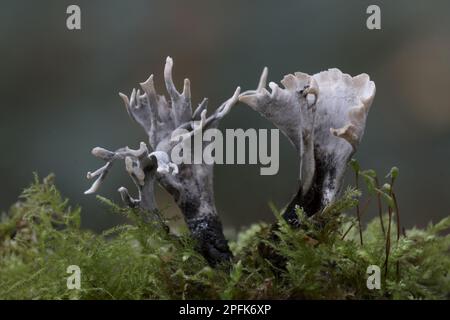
(140, 165)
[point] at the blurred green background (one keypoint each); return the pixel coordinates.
(59, 90)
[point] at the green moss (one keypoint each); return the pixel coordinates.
(40, 237)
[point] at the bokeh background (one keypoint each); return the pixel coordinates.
(59, 90)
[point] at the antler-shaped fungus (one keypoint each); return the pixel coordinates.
(324, 116)
(192, 186)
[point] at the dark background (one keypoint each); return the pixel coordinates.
(59, 90)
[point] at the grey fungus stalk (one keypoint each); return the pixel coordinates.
(191, 185)
(324, 117)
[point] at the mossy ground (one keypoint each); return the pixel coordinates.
(41, 236)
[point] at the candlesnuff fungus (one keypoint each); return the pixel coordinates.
(324, 117)
(192, 184)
